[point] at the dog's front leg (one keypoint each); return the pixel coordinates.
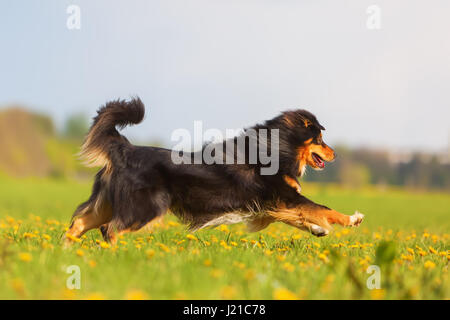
(317, 219)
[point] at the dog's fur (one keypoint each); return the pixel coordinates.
(137, 184)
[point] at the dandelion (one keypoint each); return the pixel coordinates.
(92, 263)
(79, 252)
(284, 294)
(46, 237)
(429, 265)
(249, 275)
(73, 238)
(207, 262)
(150, 253)
(163, 247)
(228, 292)
(18, 286)
(191, 237)
(104, 245)
(377, 294)
(216, 273)
(95, 296)
(432, 250)
(136, 295)
(288, 267)
(25, 256)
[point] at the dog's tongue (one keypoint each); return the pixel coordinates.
(319, 161)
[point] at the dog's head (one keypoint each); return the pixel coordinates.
(306, 136)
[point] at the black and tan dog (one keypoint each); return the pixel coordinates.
(137, 184)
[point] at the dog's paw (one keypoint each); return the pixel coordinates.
(356, 219)
(318, 231)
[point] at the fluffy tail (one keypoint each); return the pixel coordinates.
(103, 135)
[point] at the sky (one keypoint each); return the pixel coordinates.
(232, 64)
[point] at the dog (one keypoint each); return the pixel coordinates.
(137, 184)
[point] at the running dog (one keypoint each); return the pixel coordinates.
(136, 184)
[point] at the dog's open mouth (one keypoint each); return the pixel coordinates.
(318, 160)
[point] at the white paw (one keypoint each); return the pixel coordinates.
(318, 231)
(356, 219)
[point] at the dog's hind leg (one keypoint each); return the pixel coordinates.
(90, 217)
(142, 207)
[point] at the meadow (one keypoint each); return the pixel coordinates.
(405, 233)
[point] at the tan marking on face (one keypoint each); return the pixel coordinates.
(304, 154)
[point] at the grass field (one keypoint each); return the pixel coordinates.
(404, 233)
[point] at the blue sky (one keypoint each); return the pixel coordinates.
(234, 63)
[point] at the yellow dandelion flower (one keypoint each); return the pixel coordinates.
(136, 295)
(281, 258)
(73, 238)
(249, 274)
(297, 236)
(191, 237)
(28, 235)
(207, 262)
(216, 273)
(377, 294)
(228, 292)
(323, 257)
(92, 263)
(46, 237)
(163, 247)
(432, 250)
(104, 245)
(150, 253)
(288, 267)
(429, 265)
(408, 257)
(284, 294)
(95, 296)
(79, 252)
(18, 286)
(25, 256)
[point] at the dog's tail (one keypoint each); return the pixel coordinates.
(103, 135)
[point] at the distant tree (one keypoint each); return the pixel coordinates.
(76, 126)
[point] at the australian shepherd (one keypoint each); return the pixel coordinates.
(137, 184)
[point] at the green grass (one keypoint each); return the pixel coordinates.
(227, 262)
